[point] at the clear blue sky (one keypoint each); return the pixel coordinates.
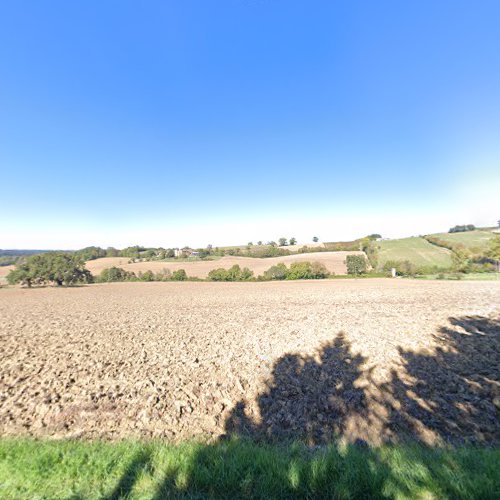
(195, 122)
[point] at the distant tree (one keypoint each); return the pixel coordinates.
(170, 253)
(374, 236)
(234, 273)
(498, 222)
(209, 247)
(282, 242)
(259, 243)
(112, 252)
(114, 274)
(249, 244)
(293, 241)
(356, 264)
(306, 270)
(461, 259)
(315, 239)
(277, 272)
(462, 229)
(179, 275)
(60, 268)
(91, 253)
(271, 243)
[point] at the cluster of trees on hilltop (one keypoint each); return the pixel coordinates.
(462, 229)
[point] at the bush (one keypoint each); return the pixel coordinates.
(356, 264)
(234, 273)
(403, 267)
(114, 274)
(307, 271)
(277, 272)
(462, 229)
(179, 275)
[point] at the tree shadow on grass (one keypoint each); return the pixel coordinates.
(139, 463)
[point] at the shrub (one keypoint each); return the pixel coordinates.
(234, 273)
(277, 272)
(356, 264)
(114, 274)
(403, 267)
(306, 270)
(147, 276)
(462, 229)
(179, 275)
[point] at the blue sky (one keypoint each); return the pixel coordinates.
(196, 122)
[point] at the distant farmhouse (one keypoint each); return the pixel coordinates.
(185, 252)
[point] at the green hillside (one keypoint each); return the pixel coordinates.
(415, 249)
(474, 240)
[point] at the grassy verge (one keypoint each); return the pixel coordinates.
(239, 469)
(465, 277)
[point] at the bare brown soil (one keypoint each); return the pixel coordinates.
(333, 261)
(371, 360)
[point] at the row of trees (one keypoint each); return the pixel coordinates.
(462, 229)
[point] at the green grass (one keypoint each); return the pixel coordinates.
(464, 277)
(239, 469)
(471, 239)
(415, 249)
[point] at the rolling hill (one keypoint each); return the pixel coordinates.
(474, 240)
(333, 261)
(415, 249)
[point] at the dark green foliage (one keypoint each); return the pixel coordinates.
(91, 253)
(307, 271)
(374, 236)
(403, 267)
(293, 241)
(179, 275)
(147, 276)
(297, 271)
(462, 229)
(356, 264)
(282, 242)
(114, 274)
(59, 268)
(234, 273)
(277, 272)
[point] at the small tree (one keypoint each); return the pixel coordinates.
(277, 272)
(179, 275)
(356, 264)
(315, 239)
(493, 251)
(259, 242)
(293, 241)
(461, 260)
(282, 242)
(60, 268)
(114, 274)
